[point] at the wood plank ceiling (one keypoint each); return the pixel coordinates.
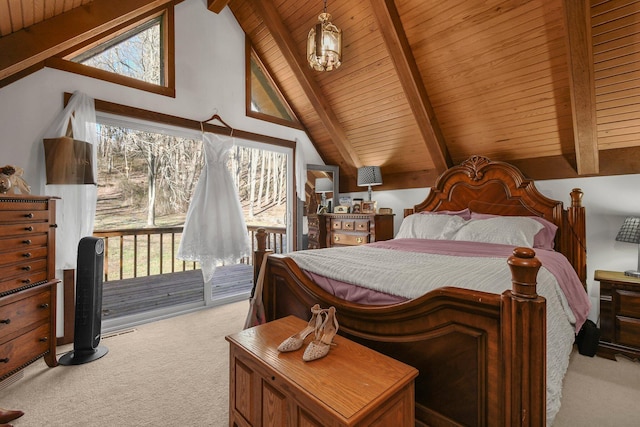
(548, 85)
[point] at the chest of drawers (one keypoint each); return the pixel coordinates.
(27, 282)
(619, 314)
(357, 229)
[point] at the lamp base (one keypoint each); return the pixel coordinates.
(632, 273)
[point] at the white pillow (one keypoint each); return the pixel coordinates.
(426, 226)
(504, 230)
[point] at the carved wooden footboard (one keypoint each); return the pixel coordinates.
(481, 356)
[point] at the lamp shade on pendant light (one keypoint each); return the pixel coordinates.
(324, 44)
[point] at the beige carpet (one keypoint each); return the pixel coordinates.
(174, 372)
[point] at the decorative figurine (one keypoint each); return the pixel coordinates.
(11, 180)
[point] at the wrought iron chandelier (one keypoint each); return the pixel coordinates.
(324, 44)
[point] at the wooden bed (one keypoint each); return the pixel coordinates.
(481, 356)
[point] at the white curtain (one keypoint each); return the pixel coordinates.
(214, 231)
(77, 205)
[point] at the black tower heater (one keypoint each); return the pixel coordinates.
(88, 320)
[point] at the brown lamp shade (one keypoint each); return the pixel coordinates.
(68, 161)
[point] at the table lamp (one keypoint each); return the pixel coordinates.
(368, 176)
(630, 233)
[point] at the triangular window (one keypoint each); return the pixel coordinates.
(136, 53)
(265, 101)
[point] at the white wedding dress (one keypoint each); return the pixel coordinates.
(214, 230)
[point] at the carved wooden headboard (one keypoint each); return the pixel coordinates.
(485, 186)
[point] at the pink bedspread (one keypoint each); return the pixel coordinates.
(554, 262)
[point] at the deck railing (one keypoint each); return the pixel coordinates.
(138, 252)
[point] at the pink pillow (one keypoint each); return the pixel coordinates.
(544, 239)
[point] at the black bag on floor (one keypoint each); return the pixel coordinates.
(587, 339)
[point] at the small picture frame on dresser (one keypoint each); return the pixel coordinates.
(368, 207)
(341, 209)
(355, 207)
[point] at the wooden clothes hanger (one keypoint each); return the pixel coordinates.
(218, 118)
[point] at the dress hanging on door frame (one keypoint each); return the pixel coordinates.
(214, 231)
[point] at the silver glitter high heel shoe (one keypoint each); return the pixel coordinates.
(294, 342)
(319, 347)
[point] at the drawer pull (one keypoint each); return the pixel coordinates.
(44, 305)
(27, 255)
(5, 360)
(28, 228)
(336, 238)
(43, 339)
(54, 226)
(5, 321)
(26, 281)
(27, 268)
(359, 239)
(29, 215)
(27, 242)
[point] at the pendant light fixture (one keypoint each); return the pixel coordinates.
(324, 44)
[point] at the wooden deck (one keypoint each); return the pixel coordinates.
(142, 294)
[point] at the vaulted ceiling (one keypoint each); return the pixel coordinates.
(552, 86)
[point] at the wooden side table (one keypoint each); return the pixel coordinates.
(619, 314)
(357, 229)
(351, 386)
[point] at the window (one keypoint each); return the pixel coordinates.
(147, 176)
(147, 173)
(264, 99)
(137, 54)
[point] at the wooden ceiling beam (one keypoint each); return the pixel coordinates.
(269, 15)
(399, 49)
(582, 85)
(30, 46)
(216, 6)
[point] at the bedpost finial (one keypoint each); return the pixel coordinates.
(576, 197)
(524, 270)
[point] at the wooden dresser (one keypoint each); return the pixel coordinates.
(27, 282)
(357, 229)
(317, 231)
(351, 386)
(619, 314)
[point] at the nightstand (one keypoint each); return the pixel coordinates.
(351, 386)
(619, 314)
(357, 229)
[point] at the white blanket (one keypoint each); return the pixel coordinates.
(412, 274)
